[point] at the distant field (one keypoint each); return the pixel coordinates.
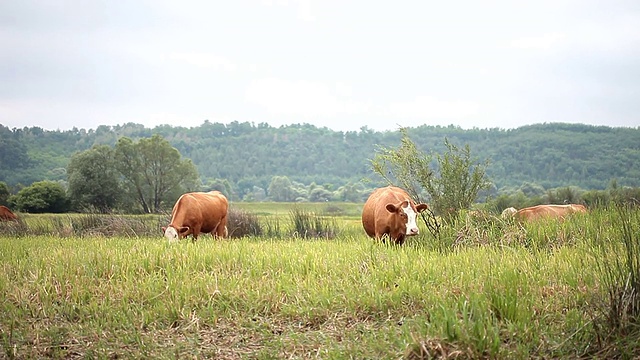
(279, 208)
(485, 289)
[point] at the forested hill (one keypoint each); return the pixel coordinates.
(248, 155)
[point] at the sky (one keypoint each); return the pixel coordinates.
(340, 64)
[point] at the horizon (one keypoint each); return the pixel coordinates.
(255, 124)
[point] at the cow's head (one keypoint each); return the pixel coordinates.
(173, 234)
(508, 212)
(405, 215)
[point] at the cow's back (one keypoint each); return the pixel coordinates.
(6, 214)
(549, 211)
(579, 208)
(199, 208)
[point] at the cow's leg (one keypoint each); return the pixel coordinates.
(196, 232)
(221, 230)
(382, 233)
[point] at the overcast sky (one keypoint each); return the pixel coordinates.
(341, 64)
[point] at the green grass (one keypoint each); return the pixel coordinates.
(349, 297)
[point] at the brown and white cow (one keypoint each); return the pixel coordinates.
(390, 211)
(549, 211)
(6, 214)
(198, 212)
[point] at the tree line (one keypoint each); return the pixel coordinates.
(303, 162)
(148, 175)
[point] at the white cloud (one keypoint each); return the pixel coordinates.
(303, 98)
(343, 89)
(541, 42)
(431, 108)
(12, 113)
(623, 34)
(205, 60)
(303, 7)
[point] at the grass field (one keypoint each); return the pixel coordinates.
(484, 289)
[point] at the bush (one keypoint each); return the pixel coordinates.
(242, 223)
(42, 197)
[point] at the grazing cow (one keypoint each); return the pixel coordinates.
(508, 212)
(549, 211)
(6, 214)
(390, 211)
(198, 212)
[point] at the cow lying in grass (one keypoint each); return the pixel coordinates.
(548, 211)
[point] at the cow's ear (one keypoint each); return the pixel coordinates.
(391, 208)
(164, 229)
(184, 229)
(422, 207)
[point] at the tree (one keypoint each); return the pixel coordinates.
(154, 171)
(94, 179)
(42, 197)
(459, 182)
(454, 186)
(256, 194)
(281, 189)
(565, 195)
(320, 194)
(352, 192)
(221, 185)
(532, 189)
(4, 193)
(128, 164)
(13, 154)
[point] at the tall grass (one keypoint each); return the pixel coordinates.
(617, 257)
(482, 293)
(84, 225)
(308, 224)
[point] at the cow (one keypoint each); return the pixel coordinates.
(508, 212)
(549, 211)
(198, 212)
(6, 214)
(390, 211)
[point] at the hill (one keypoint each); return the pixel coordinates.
(247, 154)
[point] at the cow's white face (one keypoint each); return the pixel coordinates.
(412, 226)
(171, 234)
(508, 212)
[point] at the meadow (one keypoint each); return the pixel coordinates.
(484, 288)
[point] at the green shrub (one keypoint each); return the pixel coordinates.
(42, 197)
(243, 223)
